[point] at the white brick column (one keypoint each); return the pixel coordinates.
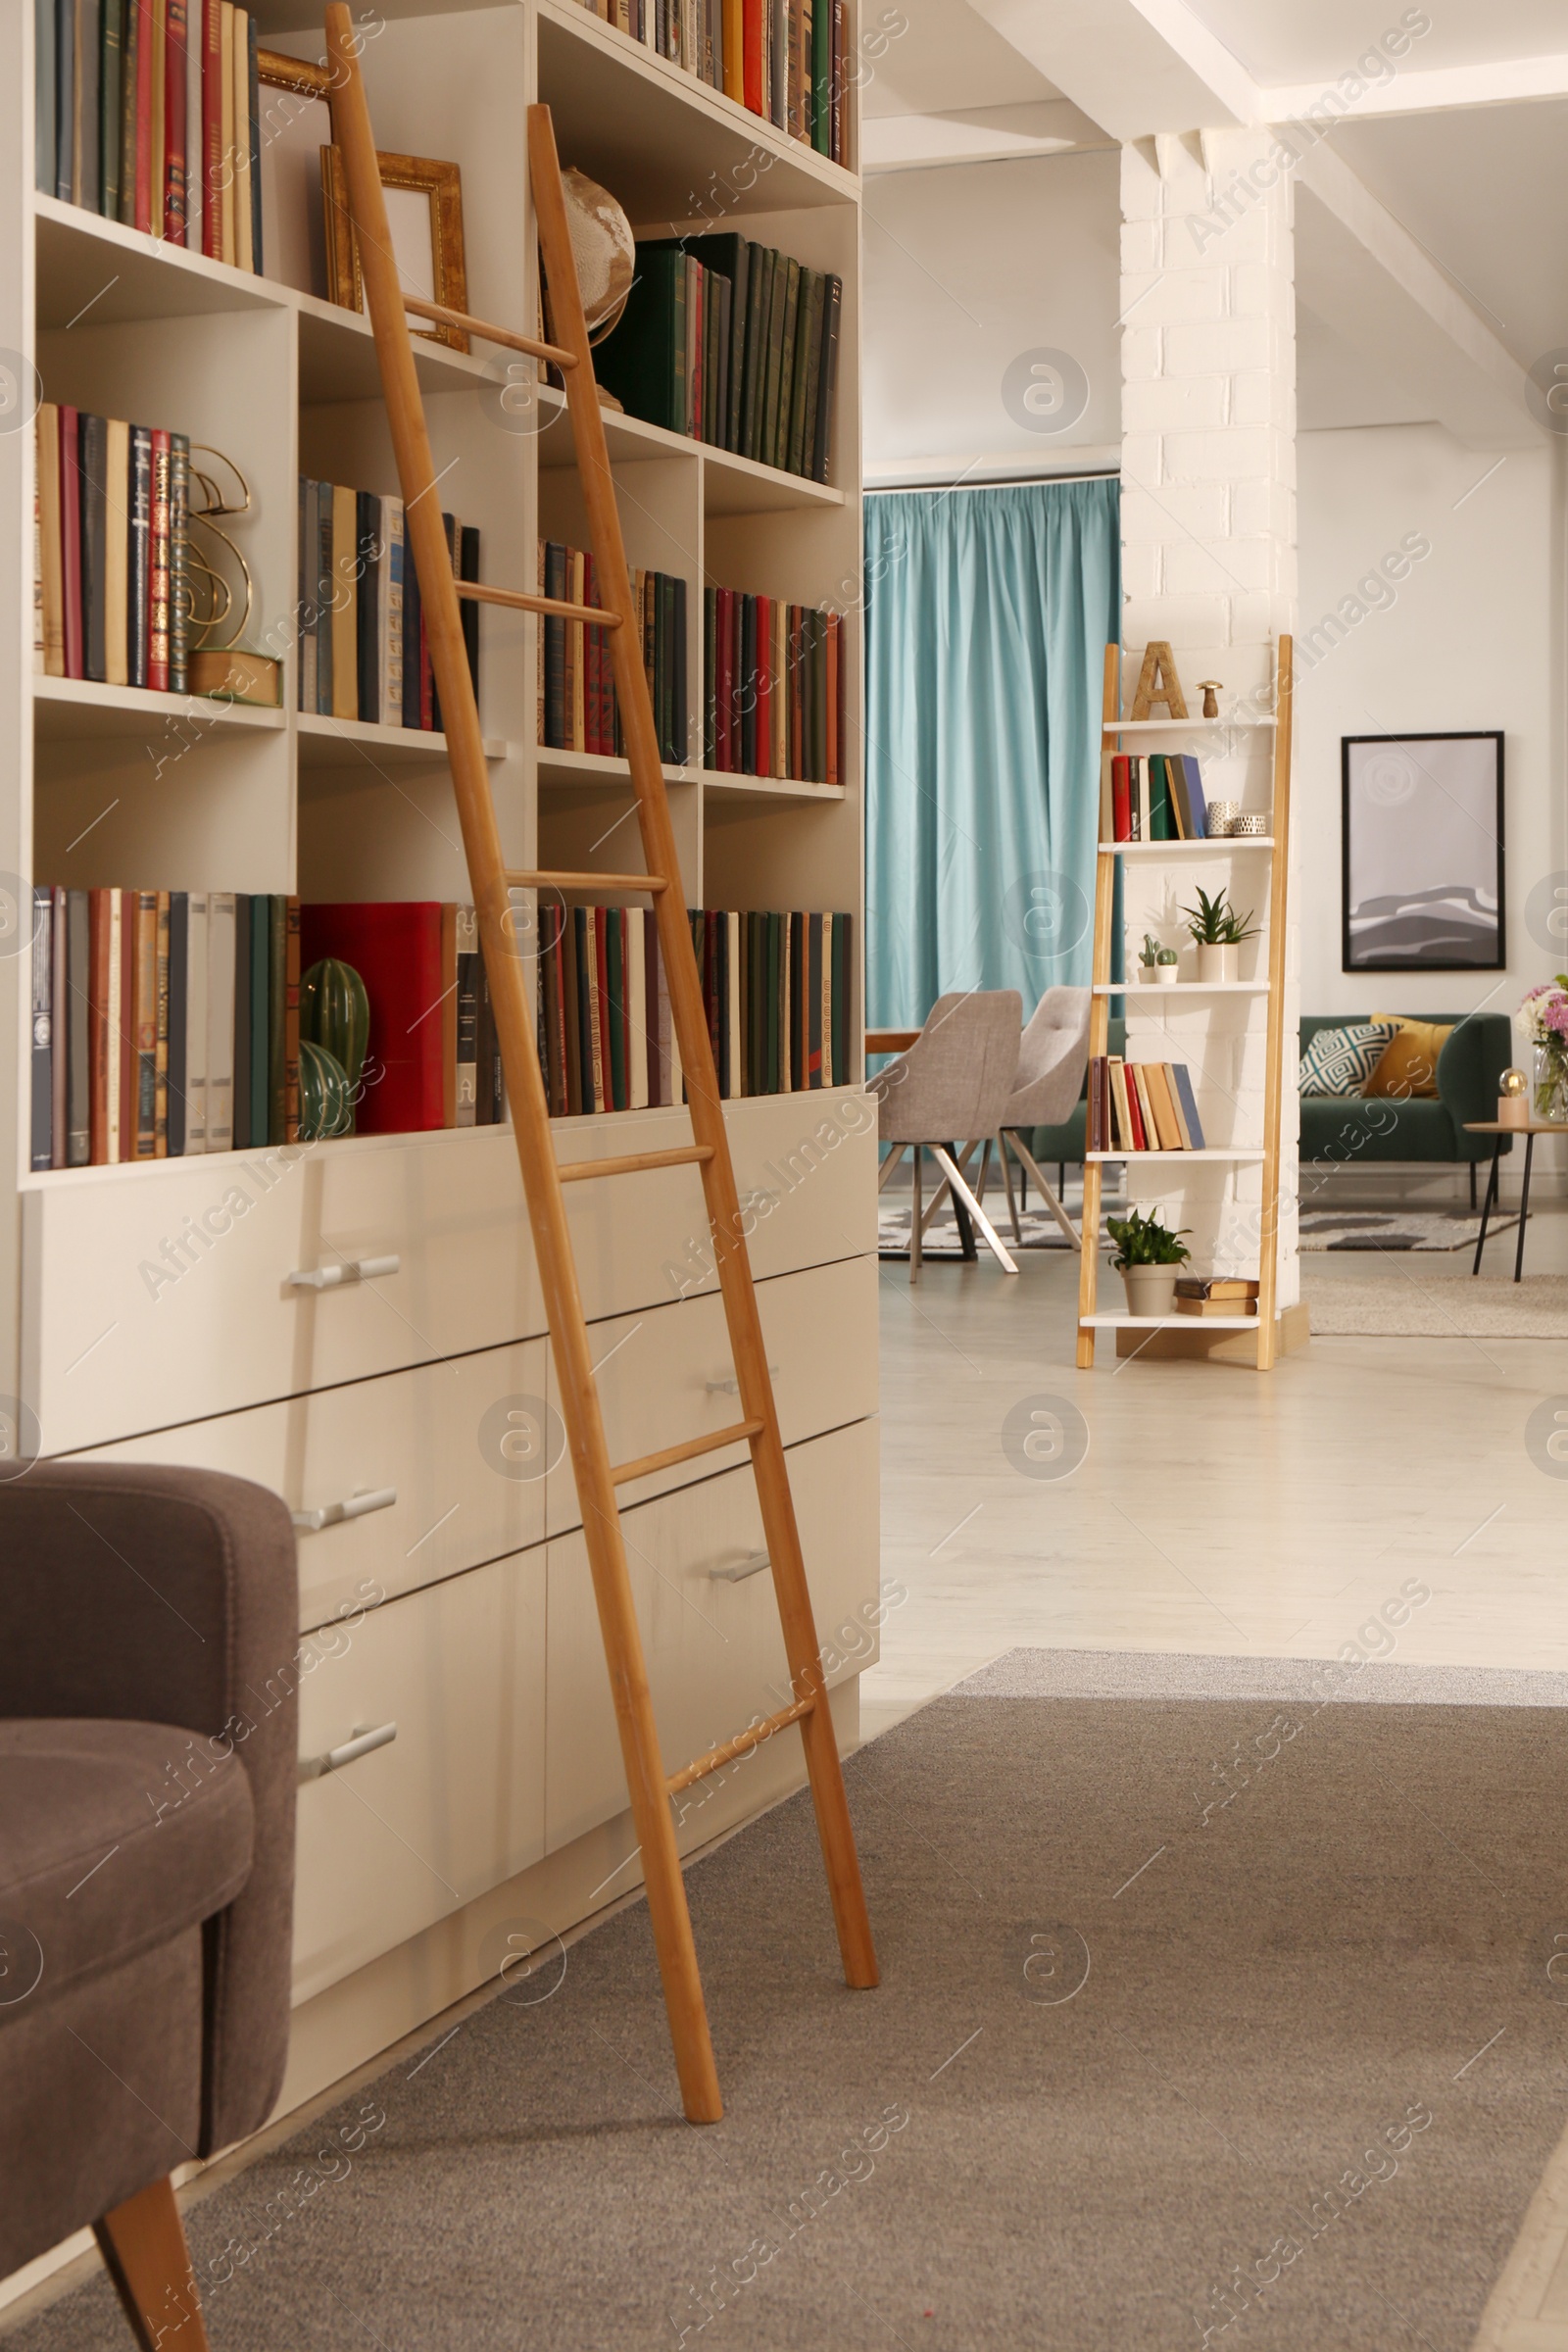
(1208, 562)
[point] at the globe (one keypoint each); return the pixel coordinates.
(603, 248)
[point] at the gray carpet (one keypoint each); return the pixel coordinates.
(1425, 1304)
(1418, 1229)
(1206, 2019)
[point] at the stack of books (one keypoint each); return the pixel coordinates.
(781, 58)
(578, 709)
(776, 989)
(166, 1023)
(364, 652)
(1216, 1295)
(772, 680)
(1158, 799)
(148, 111)
(733, 343)
(1142, 1106)
(111, 598)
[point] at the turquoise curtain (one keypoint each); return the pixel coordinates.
(988, 616)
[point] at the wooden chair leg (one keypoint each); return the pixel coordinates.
(144, 2250)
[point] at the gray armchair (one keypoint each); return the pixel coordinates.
(1053, 1057)
(148, 1638)
(951, 1086)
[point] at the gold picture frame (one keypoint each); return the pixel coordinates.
(441, 185)
(276, 72)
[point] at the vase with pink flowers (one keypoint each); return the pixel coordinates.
(1545, 1013)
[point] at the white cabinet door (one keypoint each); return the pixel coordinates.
(715, 1655)
(450, 1806)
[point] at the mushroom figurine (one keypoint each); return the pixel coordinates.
(1208, 688)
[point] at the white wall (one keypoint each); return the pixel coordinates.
(966, 268)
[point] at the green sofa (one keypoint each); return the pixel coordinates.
(1347, 1131)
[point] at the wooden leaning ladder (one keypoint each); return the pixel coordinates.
(544, 1179)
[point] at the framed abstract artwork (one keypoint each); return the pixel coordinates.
(1422, 852)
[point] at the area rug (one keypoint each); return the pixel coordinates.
(1437, 1306)
(1398, 1229)
(1204, 2021)
(1039, 1228)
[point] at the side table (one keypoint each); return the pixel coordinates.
(1528, 1130)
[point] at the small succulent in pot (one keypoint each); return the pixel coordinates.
(1158, 960)
(1220, 931)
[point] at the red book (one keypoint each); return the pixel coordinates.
(129, 1089)
(763, 685)
(395, 947)
(752, 53)
(792, 638)
(158, 561)
(737, 672)
(174, 134)
(1121, 798)
(144, 118)
(723, 679)
(604, 916)
(70, 541)
(831, 730)
(212, 128)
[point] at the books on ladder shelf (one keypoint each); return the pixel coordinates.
(1142, 1106)
(773, 673)
(782, 59)
(111, 549)
(1212, 1295)
(578, 705)
(733, 343)
(363, 645)
(166, 1023)
(1155, 797)
(147, 112)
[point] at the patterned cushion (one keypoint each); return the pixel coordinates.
(1339, 1062)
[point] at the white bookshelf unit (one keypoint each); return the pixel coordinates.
(499, 1806)
(1229, 1193)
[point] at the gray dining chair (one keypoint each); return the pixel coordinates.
(1053, 1057)
(953, 1084)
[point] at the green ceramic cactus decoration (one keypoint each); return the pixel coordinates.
(335, 1013)
(327, 1100)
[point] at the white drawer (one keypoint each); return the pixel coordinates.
(716, 1654)
(663, 1373)
(427, 1438)
(118, 1340)
(455, 1804)
(804, 1170)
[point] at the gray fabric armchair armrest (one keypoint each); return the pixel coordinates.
(170, 1595)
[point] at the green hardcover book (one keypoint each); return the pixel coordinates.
(261, 996)
(731, 257)
(1163, 822)
(644, 361)
(811, 343)
(615, 974)
(130, 45)
(766, 265)
(820, 67)
(112, 103)
(799, 352)
(779, 388)
(277, 1019)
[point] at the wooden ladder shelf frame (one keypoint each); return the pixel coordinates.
(649, 1785)
(1274, 1051)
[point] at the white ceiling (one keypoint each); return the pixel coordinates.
(949, 58)
(1318, 40)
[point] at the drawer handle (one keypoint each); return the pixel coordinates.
(313, 1768)
(379, 1498)
(732, 1387)
(348, 1269)
(735, 1572)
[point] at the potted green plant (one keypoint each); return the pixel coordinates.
(1156, 963)
(1219, 931)
(1149, 1257)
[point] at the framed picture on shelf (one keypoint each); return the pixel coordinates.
(424, 211)
(1422, 852)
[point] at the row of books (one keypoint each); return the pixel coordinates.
(166, 1023)
(1159, 797)
(1142, 1106)
(1212, 1295)
(111, 505)
(148, 111)
(364, 647)
(775, 988)
(733, 343)
(773, 700)
(783, 60)
(578, 709)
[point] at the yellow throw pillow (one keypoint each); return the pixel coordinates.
(1409, 1065)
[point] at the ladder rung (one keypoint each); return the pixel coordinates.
(519, 600)
(526, 881)
(488, 333)
(687, 1451)
(718, 1757)
(631, 1163)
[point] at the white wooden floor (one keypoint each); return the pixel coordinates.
(1220, 1511)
